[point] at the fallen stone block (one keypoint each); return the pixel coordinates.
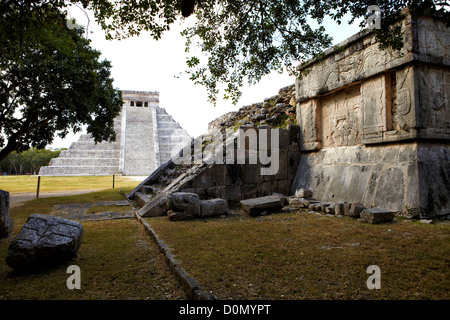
(339, 208)
(156, 207)
(376, 215)
(213, 207)
(255, 206)
(355, 210)
(175, 216)
(308, 202)
(43, 241)
(346, 206)
(6, 224)
(142, 198)
(296, 202)
(150, 190)
(325, 205)
(330, 209)
(184, 202)
(303, 193)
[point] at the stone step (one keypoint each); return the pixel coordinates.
(91, 145)
(84, 162)
(96, 154)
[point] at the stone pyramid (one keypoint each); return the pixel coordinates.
(146, 137)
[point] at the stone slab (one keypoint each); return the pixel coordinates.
(43, 241)
(376, 215)
(255, 206)
(6, 223)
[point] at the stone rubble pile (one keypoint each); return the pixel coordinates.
(277, 111)
(354, 210)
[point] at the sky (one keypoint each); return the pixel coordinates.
(141, 63)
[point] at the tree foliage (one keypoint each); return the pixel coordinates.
(52, 81)
(247, 39)
(29, 161)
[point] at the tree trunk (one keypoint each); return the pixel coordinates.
(10, 147)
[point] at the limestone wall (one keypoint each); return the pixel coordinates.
(372, 120)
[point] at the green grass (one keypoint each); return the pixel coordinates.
(117, 260)
(305, 256)
(17, 184)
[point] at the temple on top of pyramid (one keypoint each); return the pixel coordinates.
(146, 137)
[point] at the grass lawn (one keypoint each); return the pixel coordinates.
(295, 256)
(117, 260)
(305, 256)
(17, 184)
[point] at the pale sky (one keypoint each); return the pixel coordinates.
(141, 63)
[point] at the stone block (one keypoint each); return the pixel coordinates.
(213, 207)
(252, 174)
(303, 193)
(339, 208)
(6, 224)
(142, 198)
(184, 202)
(217, 175)
(156, 207)
(255, 206)
(331, 209)
(296, 202)
(249, 191)
(213, 192)
(355, 210)
(43, 241)
(231, 193)
(264, 189)
(234, 175)
(376, 215)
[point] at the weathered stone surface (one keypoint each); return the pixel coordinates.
(142, 198)
(213, 207)
(296, 202)
(376, 215)
(303, 193)
(355, 210)
(331, 209)
(359, 96)
(6, 224)
(255, 206)
(43, 241)
(176, 216)
(185, 202)
(158, 206)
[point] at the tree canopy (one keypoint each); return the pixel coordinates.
(52, 81)
(56, 82)
(245, 40)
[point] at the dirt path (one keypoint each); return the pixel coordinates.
(16, 199)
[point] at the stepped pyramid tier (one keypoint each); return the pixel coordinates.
(146, 137)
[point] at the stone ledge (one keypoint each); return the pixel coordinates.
(190, 286)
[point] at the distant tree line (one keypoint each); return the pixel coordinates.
(28, 162)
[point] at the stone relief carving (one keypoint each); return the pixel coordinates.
(434, 99)
(307, 113)
(341, 114)
(403, 102)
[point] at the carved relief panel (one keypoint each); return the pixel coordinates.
(308, 115)
(341, 118)
(434, 102)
